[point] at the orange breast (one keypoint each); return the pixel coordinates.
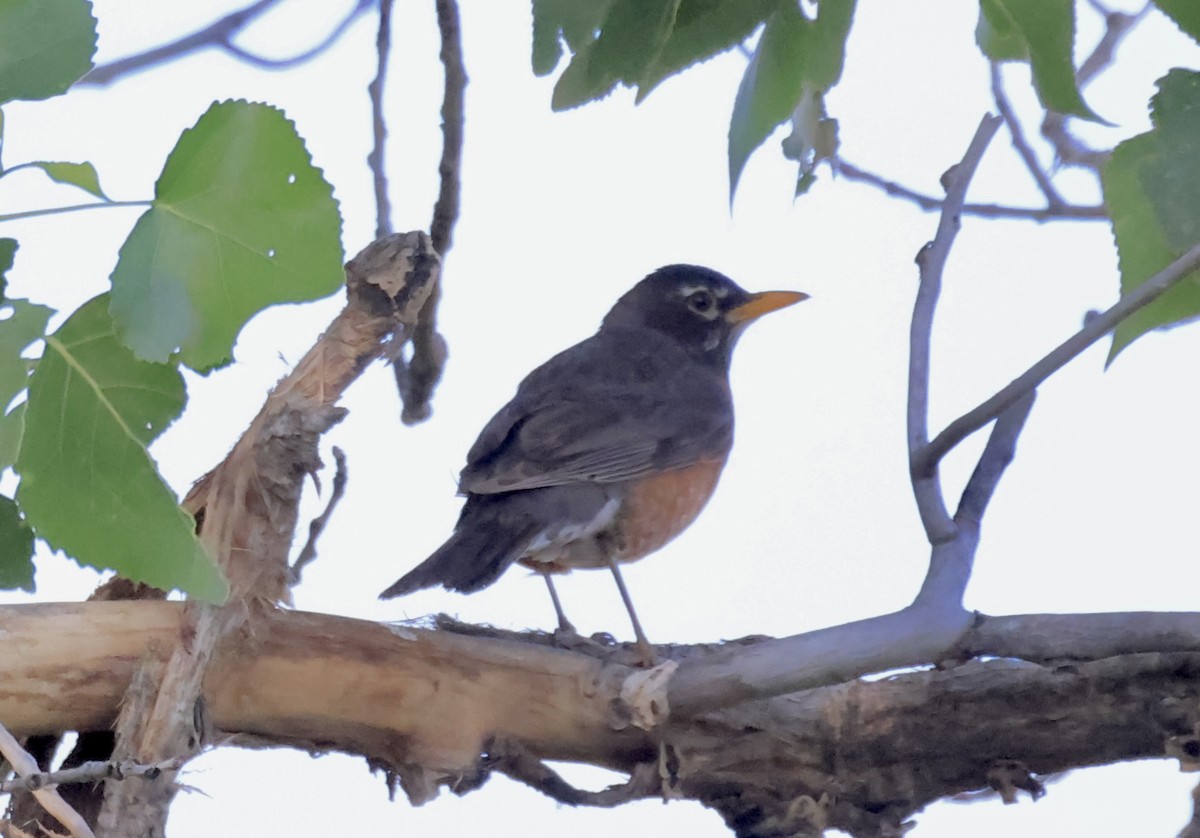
(659, 508)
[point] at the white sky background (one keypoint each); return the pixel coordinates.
(813, 523)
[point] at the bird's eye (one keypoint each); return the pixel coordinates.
(701, 302)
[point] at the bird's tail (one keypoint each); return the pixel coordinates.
(473, 558)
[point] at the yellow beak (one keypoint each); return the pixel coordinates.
(764, 303)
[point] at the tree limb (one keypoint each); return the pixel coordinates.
(861, 757)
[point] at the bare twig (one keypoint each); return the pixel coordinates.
(1116, 26)
(932, 260)
(335, 34)
(317, 525)
(376, 159)
(930, 203)
(1053, 199)
(1068, 149)
(1094, 329)
(24, 764)
(417, 377)
(219, 34)
(215, 34)
(88, 772)
(445, 211)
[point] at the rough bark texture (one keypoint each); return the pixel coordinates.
(435, 707)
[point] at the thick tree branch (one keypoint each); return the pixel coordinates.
(442, 707)
(932, 261)
(930, 203)
(1094, 329)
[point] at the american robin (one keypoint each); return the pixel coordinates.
(609, 449)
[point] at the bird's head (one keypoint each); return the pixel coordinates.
(704, 311)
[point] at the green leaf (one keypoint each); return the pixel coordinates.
(8, 252)
(1152, 189)
(88, 485)
(45, 46)
(771, 87)
(16, 548)
(23, 323)
(1185, 13)
(82, 175)
(631, 37)
(241, 220)
(1047, 27)
(575, 21)
(997, 35)
(12, 428)
(702, 29)
(827, 44)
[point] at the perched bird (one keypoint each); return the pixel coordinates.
(609, 449)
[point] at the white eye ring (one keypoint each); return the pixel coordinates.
(702, 302)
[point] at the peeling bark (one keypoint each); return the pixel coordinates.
(437, 708)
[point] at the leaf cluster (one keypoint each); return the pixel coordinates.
(240, 220)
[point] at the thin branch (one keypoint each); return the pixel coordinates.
(1053, 199)
(445, 211)
(215, 34)
(932, 261)
(219, 34)
(996, 457)
(317, 525)
(1069, 150)
(88, 772)
(417, 377)
(929, 203)
(517, 763)
(1116, 26)
(24, 764)
(335, 34)
(1094, 329)
(376, 159)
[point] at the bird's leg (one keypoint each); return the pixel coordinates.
(564, 625)
(649, 656)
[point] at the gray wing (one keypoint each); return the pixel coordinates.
(606, 411)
